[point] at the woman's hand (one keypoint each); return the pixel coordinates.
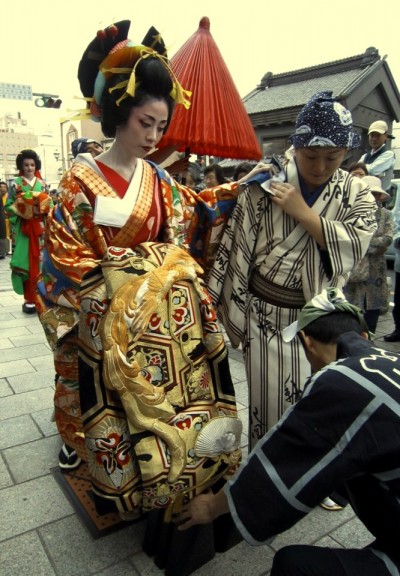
(289, 199)
(292, 202)
(261, 167)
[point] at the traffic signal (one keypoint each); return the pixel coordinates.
(47, 101)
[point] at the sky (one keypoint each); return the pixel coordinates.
(42, 42)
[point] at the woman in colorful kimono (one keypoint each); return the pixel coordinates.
(27, 206)
(111, 211)
(284, 244)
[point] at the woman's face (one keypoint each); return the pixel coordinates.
(29, 168)
(210, 179)
(144, 128)
(189, 180)
(317, 164)
(359, 172)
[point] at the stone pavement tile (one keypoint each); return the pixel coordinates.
(5, 316)
(44, 419)
(33, 459)
(315, 525)
(120, 569)
(5, 343)
(352, 534)
(24, 556)
(11, 307)
(36, 380)
(328, 542)
(44, 362)
(25, 403)
(19, 322)
(36, 328)
(5, 478)
(240, 560)
(235, 354)
(5, 389)
(27, 340)
(15, 367)
(17, 331)
(242, 392)
(19, 430)
(31, 504)
(27, 352)
(91, 556)
(238, 371)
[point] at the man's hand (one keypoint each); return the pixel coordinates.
(202, 510)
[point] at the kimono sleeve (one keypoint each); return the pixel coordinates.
(348, 233)
(303, 459)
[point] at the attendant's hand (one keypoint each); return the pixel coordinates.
(203, 509)
(261, 167)
(289, 199)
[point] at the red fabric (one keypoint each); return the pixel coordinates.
(32, 229)
(119, 184)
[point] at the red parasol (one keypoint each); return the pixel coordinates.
(217, 123)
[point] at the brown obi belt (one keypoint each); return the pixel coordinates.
(274, 294)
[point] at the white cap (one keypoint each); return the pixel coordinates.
(381, 127)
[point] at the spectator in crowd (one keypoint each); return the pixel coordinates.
(27, 206)
(367, 287)
(358, 169)
(380, 159)
(5, 238)
(214, 175)
(242, 170)
(395, 335)
(3, 228)
(344, 431)
(193, 177)
(86, 146)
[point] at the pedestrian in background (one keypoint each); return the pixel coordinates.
(358, 169)
(214, 175)
(27, 206)
(367, 287)
(380, 159)
(395, 335)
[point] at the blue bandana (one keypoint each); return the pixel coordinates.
(324, 122)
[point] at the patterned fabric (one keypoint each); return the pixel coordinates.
(324, 122)
(76, 245)
(154, 370)
(260, 236)
(373, 293)
(344, 430)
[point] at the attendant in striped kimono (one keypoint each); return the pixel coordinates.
(284, 245)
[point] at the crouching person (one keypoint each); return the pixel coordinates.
(345, 430)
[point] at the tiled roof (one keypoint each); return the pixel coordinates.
(297, 93)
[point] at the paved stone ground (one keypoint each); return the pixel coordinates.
(40, 534)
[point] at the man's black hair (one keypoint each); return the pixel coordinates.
(328, 328)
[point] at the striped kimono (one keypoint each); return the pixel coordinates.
(264, 250)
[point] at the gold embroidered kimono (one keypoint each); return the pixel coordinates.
(93, 229)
